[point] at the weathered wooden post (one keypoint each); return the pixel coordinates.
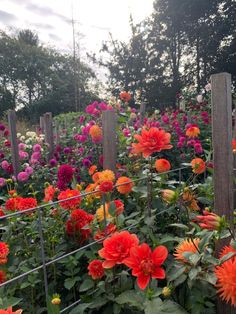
(221, 98)
(14, 143)
(142, 112)
(109, 121)
(42, 124)
(49, 133)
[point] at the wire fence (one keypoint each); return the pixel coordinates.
(39, 210)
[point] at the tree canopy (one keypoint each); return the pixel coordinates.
(35, 79)
(181, 44)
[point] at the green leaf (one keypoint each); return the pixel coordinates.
(171, 307)
(98, 302)
(181, 226)
(69, 283)
(180, 280)
(80, 308)
(130, 297)
(226, 257)
(233, 244)
(193, 273)
(112, 209)
(175, 273)
(211, 278)
(151, 306)
(11, 301)
(86, 285)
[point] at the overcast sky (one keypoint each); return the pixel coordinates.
(93, 18)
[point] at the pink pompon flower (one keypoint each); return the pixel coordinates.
(22, 176)
(37, 148)
(5, 164)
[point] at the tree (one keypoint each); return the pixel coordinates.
(35, 79)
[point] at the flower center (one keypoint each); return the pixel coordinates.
(147, 266)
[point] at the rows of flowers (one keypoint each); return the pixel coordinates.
(149, 234)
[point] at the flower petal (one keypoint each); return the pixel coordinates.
(143, 281)
(159, 255)
(159, 273)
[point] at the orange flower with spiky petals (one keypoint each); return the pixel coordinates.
(192, 132)
(117, 248)
(198, 165)
(106, 175)
(189, 200)
(226, 279)
(92, 169)
(187, 245)
(228, 249)
(124, 185)
(146, 264)
(151, 141)
(162, 165)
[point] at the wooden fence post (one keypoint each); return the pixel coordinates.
(49, 133)
(42, 124)
(142, 112)
(221, 98)
(14, 142)
(109, 121)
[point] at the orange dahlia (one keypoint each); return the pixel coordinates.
(187, 245)
(124, 185)
(117, 248)
(193, 132)
(49, 193)
(162, 165)
(151, 141)
(96, 271)
(96, 176)
(69, 204)
(106, 175)
(92, 169)
(226, 281)
(95, 131)
(198, 165)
